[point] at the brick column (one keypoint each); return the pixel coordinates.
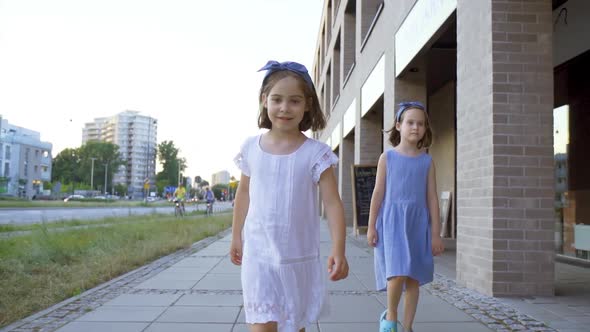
(504, 147)
(346, 161)
(368, 143)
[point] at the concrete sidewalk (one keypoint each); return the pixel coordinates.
(198, 289)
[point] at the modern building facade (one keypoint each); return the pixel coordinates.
(25, 161)
(221, 177)
(503, 83)
(136, 136)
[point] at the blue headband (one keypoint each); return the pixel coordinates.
(407, 105)
(274, 66)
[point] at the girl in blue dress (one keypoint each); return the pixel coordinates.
(404, 224)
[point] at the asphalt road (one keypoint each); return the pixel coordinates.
(37, 215)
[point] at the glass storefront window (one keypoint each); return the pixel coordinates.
(560, 142)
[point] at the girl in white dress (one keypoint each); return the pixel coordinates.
(275, 232)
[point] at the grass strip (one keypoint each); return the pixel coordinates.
(43, 267)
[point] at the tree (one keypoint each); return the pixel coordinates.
(104, 153)
(171, 164)
(74, 165)
(65, 166)
(121, 189)
(218, 189)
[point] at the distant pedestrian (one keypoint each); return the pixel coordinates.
(283, 279)
(404, 224)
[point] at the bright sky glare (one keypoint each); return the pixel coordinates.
(191, 64)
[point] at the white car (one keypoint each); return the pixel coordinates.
(73, 197)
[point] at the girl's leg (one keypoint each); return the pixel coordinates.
(410, 302)
(267, 327)
(394, 292)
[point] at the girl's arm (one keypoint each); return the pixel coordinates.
(241, 204)
(433, 209)
(337, 264)
(377, 200)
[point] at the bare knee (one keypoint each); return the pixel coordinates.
(397, 280)
(266, 327)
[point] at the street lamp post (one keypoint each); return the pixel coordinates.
(179, 171)
(147, 163)
(106, 168)
(92, 174)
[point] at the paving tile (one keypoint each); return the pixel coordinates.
(226, 266)
(156, 283)
(349, 327)
(220, 282)
(199, 314)
(351, 283)
(188, 327)
(354, 309)
(144, 300)
(217, 248)
(451, 327)
(122, 314)
(204, 264)
(210, 300)
(103, 326)
(180, 274)
(367, 279)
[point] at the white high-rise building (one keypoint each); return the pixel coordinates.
(136, 136)
(221, 177)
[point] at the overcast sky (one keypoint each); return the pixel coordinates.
(192, 64)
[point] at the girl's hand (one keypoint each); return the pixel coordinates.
(372, 237)
(337, 267)
(437, 245)
(235, 251)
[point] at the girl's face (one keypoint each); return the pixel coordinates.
(286, 105)
(413, 125)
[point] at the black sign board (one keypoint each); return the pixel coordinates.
(363, 183)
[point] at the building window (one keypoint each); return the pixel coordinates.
(6, 169)
(7, 152)
(349, 48)
(370, 13)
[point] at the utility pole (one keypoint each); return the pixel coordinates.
(106, 168)
(92, 173)
(179, 171)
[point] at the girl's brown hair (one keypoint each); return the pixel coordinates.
(313, 118)
(395, 136)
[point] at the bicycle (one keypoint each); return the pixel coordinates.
(178, 209)
(209, 211)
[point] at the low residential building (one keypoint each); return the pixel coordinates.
(25, 161)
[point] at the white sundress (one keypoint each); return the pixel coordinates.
(283, 279)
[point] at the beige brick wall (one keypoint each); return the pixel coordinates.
(523, 147)
(346, 161)
(505, 157)
(474, 145)
(370, 134)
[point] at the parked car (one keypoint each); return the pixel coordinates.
(73, 197)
